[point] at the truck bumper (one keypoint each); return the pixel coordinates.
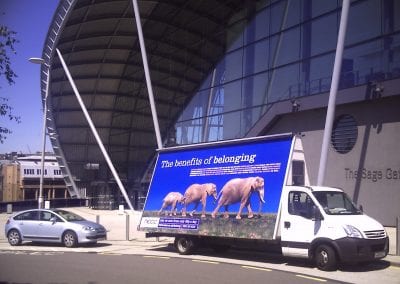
(352, 250)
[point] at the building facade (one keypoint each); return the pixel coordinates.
(21, 179)
(224, 70)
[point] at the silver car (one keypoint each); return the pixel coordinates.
(57, 226)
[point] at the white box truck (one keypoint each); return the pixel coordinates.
(255, 193)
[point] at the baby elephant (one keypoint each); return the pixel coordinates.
(171, 199)
(239, 190)
(197, 193)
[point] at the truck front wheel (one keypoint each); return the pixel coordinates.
(185, 245)
(325, 258)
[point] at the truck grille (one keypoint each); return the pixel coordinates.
(377, 234)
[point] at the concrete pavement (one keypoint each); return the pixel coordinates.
(123, 238)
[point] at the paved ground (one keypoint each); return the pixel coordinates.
(121, 241)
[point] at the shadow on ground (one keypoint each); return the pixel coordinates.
(277, 258)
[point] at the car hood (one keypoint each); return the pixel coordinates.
(88, 223)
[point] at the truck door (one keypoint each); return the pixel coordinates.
(298, 228)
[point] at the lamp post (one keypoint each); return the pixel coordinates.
(41, 61)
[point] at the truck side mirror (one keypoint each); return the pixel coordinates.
(316, 214)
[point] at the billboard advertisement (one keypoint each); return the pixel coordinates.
(221, 189)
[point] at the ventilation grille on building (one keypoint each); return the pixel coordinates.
(344, 134)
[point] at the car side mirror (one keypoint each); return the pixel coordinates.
(361, 208)
(53, 220)
(316, 214)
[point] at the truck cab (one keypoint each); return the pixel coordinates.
(323, 224)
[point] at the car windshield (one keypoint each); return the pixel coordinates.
(69, 216)
(336, 203)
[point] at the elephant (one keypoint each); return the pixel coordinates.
(171, 199)
(197, 193)
(239, 190)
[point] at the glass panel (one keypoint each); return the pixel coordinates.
(276, 16)
(198, 103)
(261, 25)
(282, 80)
(256, 57)
(255, 87)
(294, 13)
(232, 96)
(357, 28)
(324, 34)
(320, 7)
(235, 36)
(289, 49)
(233, 65)
(321, 73)
(367, 60)
(231, 125)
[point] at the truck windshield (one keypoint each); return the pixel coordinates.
(336, 203)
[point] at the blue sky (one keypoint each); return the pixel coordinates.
(31, 20)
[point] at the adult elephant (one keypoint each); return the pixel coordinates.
(171, 199)
(239, 190)
(197, 193)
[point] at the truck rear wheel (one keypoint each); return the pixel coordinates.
(325, 258)
(185, 245)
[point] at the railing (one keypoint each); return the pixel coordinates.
(31, 204)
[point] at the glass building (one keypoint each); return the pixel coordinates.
(224, 70)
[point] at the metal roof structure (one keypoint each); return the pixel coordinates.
(98, 39)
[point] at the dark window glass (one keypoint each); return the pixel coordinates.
(298, 172)
(27, 216)
(300, 204)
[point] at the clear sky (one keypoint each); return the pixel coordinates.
(31, 20)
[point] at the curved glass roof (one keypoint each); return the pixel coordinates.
(98, 39)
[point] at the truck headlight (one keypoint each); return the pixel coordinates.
(352, 232)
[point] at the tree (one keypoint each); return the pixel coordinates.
(7, 46)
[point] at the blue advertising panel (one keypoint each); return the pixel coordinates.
(222, 189)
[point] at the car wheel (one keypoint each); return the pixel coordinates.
(14, 237)
(70, 239)
(185, 245)
(325, 258)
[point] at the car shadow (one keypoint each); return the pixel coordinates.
(60, 245)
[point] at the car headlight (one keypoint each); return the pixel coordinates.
(352, 232)
(88, 228)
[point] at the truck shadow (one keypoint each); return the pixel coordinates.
(276, 258)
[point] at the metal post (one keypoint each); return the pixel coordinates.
(147, 73)
(98, 219)
(398, 236)
(206, 122)
(40, 199)
(94, 131)
(332, 95)
(127, 227)
(41, 61)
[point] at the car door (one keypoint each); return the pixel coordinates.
(298, 228)
(28, 223)
(50, 226)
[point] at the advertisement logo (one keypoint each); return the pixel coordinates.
(149, 222)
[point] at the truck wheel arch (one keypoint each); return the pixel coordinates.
(322, 241)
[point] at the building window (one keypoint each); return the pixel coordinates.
(344, 134)
(298, 172)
